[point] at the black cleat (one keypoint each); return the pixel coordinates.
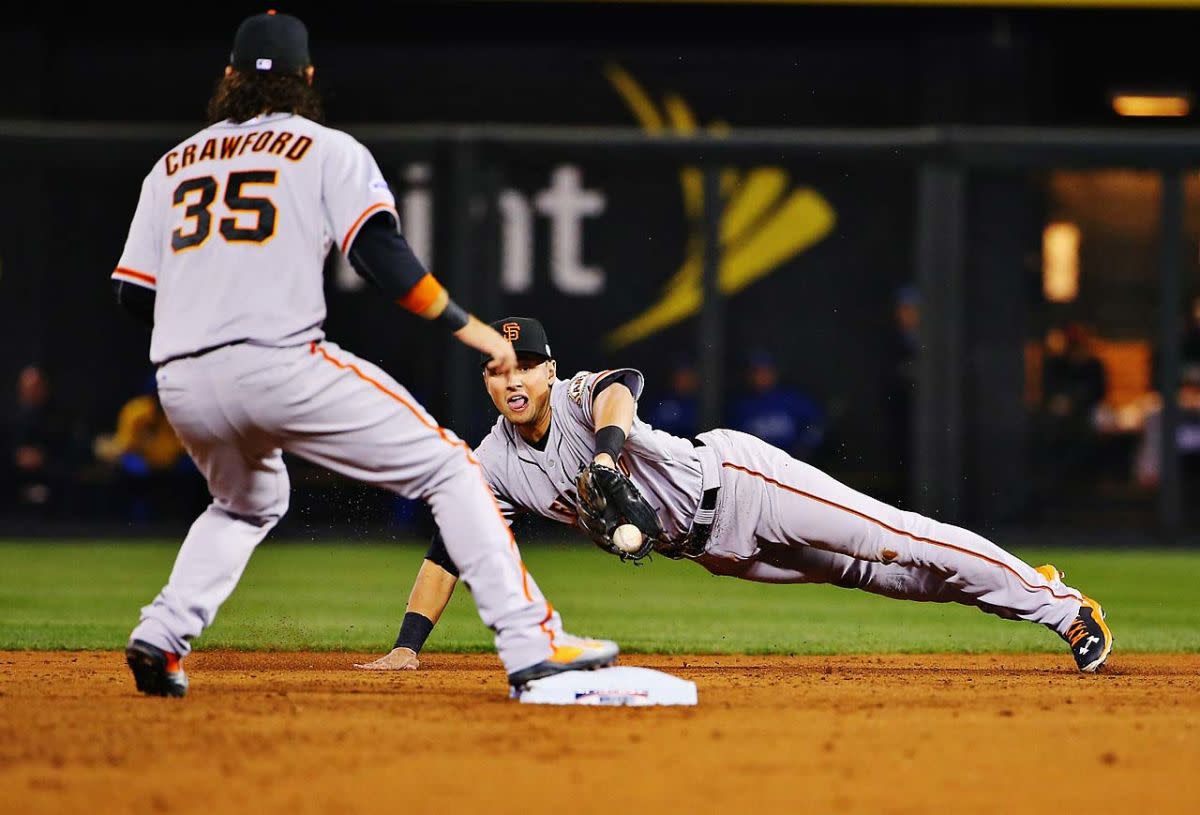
(1089, 637)
(156, 672)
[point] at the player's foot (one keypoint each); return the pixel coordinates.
(156, 672)
(1089, 637)
(570, 654)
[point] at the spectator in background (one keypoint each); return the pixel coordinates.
(1075, 380)
(35, 442)
(901, 390)
(777, 414)
(677, 412)
(1147, 470)
(144, 440)
(1074, 384)
(146, 455)
(1190, 347)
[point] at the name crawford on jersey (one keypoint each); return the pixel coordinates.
(277, 143)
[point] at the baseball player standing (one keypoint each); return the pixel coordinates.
(224, 258)
(575, 452)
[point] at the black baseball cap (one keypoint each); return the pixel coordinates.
(270, 43)
(526, 335)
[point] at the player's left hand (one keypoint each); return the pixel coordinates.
(607, 500)
(400, 659)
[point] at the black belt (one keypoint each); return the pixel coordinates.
(202, 351)
(701, 529)
(692, 544)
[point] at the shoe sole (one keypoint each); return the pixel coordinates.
(567, 668)
(149, 676)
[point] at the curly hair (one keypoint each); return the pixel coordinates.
(240, 95)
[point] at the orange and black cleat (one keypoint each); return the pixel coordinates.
(156, 672)
(1089, 637)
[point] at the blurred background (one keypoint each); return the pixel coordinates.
(946, 252)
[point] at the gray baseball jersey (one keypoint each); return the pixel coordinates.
(776, 520)
(233, 226)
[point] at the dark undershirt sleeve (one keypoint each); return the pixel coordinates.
(382, 256)
(437, 554)
(137, 300)
(615, 378)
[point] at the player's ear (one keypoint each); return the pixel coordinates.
(228, 70)
(309, 73)
(551, 369)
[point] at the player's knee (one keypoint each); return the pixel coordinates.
(259, 521)
(259, 513)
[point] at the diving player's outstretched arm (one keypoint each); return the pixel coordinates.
(430, 595)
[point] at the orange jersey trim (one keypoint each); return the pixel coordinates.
(421, 417)
(443, 434)
(371, 210)
(894, 530)
(422, 295)
(135, 276)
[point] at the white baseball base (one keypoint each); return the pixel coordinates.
(619, 686)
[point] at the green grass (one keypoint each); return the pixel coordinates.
(332, 596)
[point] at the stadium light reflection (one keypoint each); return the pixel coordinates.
(1152, 104)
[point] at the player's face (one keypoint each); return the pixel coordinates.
(523, 396)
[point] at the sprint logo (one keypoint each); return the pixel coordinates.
(765, 220)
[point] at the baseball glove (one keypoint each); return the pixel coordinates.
(607, 499)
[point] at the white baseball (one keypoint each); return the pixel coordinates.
(628, 538)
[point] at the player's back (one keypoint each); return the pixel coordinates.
(233, 227)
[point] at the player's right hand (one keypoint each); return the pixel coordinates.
(400, 659)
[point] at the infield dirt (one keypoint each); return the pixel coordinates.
(305, 732)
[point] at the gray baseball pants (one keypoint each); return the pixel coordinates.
(779, 520)
(237, 409)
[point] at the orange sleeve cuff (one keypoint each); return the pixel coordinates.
(133, 276)
(422, 295)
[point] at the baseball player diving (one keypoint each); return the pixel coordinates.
(224, 259)
(575, 451)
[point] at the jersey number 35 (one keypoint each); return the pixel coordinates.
(197, 196)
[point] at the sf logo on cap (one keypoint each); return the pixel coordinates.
(512, 331)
